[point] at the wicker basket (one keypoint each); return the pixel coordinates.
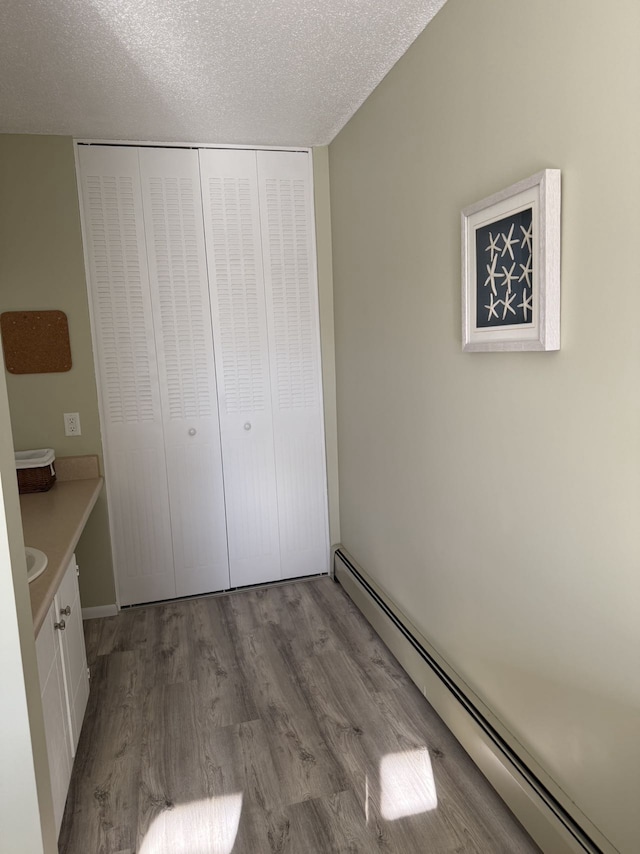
(35, 470)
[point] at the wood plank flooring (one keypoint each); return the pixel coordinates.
(269, 721)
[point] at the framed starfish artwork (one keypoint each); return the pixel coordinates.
(511, 267)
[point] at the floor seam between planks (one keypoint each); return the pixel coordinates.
(268, 721)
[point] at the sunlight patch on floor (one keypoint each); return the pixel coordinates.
(208, 826)
(407, 786)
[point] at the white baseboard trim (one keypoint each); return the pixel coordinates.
(546, 818)
(99, 611)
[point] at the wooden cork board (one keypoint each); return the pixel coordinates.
(35, 342)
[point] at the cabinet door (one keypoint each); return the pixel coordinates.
(184, 345)
(74, 656)
(54, 707)
(232, 233)
(288, 246)
(128, 377)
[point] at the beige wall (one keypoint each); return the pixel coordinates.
(42, 267)
(327, 339)
(495, 496)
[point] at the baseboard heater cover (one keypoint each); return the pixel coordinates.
(554, 829)
(99, 611)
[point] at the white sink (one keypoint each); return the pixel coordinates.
(36, 562)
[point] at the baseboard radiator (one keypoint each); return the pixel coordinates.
(542, 814)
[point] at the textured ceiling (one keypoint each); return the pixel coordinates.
(271, 72)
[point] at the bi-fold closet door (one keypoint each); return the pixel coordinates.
(258, 224)
(212, 484)
(154, 351)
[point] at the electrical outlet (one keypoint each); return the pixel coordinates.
(72, 424)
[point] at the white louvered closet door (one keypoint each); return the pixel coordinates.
(130, 396)
(232, 231)
(184, 344)
(286, 209)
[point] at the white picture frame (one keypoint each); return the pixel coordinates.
(511, 267)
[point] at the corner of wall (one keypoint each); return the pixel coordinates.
(322, 203)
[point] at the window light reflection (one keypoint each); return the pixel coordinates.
(407, 786)
(208, 826)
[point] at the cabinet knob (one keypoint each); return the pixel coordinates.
(65, 612)
(61, 625)
(192, 431)
(247, 426)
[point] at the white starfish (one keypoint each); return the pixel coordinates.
(506, 302)
(526, 304)
(492, 308)
(527, 234)
(493, 245)
(526, 271)
(509, 276)
(492, 275)
(509, 241)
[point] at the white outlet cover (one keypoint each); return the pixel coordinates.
(72, 424)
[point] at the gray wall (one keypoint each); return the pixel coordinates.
(495, 496)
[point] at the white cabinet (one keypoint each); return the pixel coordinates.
(203, 288)
(74, 656)
(56, 717)
(64, 684)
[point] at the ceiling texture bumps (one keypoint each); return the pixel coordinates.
(255, 72)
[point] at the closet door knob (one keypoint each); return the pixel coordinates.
(65, 612)
(61, 625)
(192, 431)
(247, 426)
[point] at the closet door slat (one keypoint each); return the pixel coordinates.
(184, 344)
(286, 208)
(130, 396)
(232, 232)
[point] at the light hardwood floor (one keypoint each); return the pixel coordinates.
(267, 721)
